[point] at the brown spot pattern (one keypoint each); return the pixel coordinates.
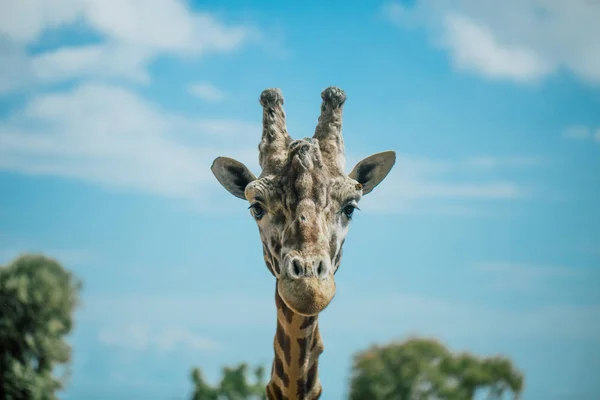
(280, 372)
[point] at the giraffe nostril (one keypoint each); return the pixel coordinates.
(321, 269)
(297, 269)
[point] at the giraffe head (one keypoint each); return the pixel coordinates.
(303, 201)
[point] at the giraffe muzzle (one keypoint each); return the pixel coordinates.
(307, 284)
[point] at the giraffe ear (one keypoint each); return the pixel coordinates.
(233, 175)
(372, 170)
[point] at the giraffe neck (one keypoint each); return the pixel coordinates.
(297, 345)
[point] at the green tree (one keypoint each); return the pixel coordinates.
(421, 368)
(202, 390)
(37, 301)
(234, 384)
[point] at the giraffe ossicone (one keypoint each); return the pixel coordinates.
(303, 203)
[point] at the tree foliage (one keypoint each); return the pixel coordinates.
(37, 299)
(234, 385)
(422, 368)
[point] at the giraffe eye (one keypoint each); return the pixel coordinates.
(348, 210)
(257, 211)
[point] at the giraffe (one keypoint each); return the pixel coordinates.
(303, 203)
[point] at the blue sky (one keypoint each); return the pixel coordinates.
(484, 235)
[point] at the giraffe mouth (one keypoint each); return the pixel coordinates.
(307, 296)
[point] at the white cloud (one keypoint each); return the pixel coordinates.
(15, 68)
(582, 133)
(475, 49)
(488, 162)
(206, 91)
(212, 310)
(161, 25)
(577, 132)
(133, 34)
(521, 276)
(111, 136)
(98, 61)
(142, 338)
(523, 41)
(433, 189)
(446, 187)
(458, 320)
(24, 21)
